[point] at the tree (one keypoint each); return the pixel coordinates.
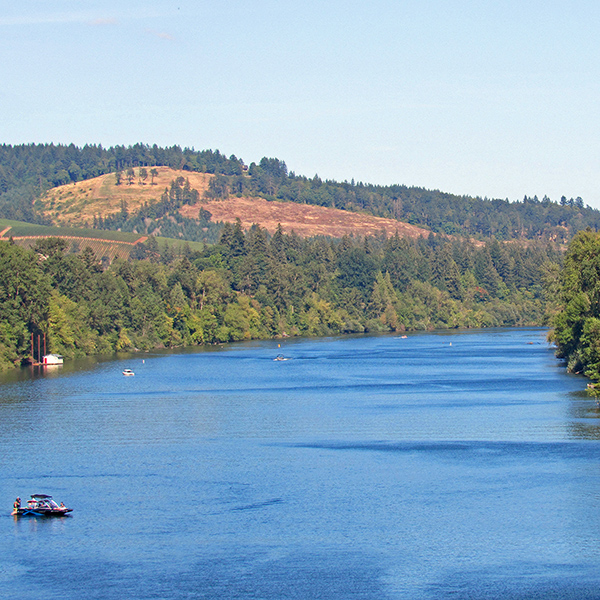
(50, 247)
(177, 299)
(212, 290)
(130, 174)
(486, 273)
(383, 300)
(24, 295)
(218, 188)
(577, 325)
(357, 269)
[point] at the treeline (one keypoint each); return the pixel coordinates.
(255, 286)
(28, 170)
(577, 321)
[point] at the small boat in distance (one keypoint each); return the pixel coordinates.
(52, 359)
(281, 357)
(40, 505)
(128, 372)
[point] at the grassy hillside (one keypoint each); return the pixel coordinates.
(76, 204)
(85, 202)
(305, 219)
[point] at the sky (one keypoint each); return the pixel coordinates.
(497, 99)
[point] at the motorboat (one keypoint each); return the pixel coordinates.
(280, 357)
(40, 505)
(128, 372)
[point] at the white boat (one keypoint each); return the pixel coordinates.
(128, 372)
(52, 359)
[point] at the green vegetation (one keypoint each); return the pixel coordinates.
(249, 285)
(255, 286)
(441, 212)
(577, 320)
(177, 247)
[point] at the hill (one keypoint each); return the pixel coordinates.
(251, 285)
(86, 202)
(28, 171)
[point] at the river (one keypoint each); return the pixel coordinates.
(427, 467)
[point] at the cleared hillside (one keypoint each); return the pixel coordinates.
(305, 219)
(77, 204)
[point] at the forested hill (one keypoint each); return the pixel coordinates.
(26, 171)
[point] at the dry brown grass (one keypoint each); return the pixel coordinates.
(305, 219)
(77, 204)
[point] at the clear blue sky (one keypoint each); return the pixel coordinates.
(490, 98)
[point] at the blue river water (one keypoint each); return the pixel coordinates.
(440, 465)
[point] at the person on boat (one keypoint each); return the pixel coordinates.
(17, 506)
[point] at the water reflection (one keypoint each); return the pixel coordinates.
(39, 525)
(584, 416)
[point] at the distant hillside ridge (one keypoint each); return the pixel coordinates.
(28, 171)
(162, 204)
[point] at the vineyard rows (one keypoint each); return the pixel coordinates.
(108, 249)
